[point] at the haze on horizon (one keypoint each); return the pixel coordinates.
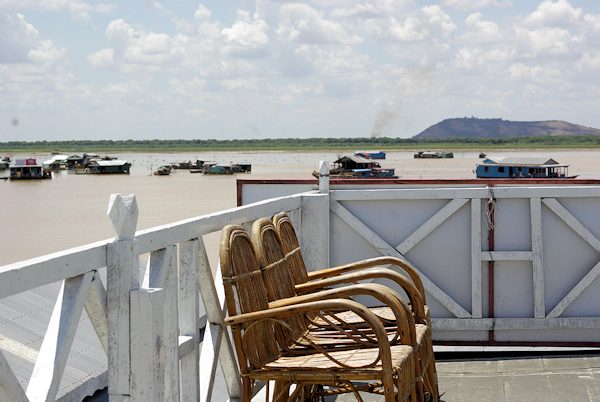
(78, 69)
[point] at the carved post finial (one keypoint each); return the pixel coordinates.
(123, 213)
(323, 177)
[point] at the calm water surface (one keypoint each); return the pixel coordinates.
(41, 217)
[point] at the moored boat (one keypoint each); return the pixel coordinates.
(522, 167)
(358, 167)
(28, 169)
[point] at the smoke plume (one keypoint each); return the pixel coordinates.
(383, 121)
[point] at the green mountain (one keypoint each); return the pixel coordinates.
(472, 127)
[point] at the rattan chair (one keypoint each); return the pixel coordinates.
(262, 334)
(363, 270)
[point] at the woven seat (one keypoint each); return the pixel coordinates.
(262, 335)
(363, 270)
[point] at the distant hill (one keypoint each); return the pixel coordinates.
(472, 127)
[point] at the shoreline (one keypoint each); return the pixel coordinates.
(247, 150)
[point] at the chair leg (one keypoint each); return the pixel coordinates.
(246, 389)
(281, 391)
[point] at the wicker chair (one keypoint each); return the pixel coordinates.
(261, 335)
(363, 270)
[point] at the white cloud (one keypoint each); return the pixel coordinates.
(523, 71)
(378, 9)
(101, 58)
(303, 24)
(20, 42)
(550, 13)
(80, 9)
(246, 38)
(439, 21)
(481, 31)
(136, 48)
(470, 5)
(546, 42)
(45, 52)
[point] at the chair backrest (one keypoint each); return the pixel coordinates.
(276, 269)
(291, 246)
(245, 292)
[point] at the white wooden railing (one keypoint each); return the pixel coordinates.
(147, 319)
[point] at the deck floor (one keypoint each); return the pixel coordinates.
(547, 378)
(482, 378)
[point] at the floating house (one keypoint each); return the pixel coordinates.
(57, 162)
(4, 163)
(433, 155)
(354, 166)
(522, 167)
(371, 154)
(108, 167)
(28, 169)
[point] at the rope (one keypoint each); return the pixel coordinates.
(490, 207)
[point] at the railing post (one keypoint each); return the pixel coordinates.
(314, 229)
(122, 271)
(323, 177)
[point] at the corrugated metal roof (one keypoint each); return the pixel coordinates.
(23, 321)
(521, 161)
(115, 162)
(354, 158)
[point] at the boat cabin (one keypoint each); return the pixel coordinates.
(353, 162)
(28, 169)
(109, 167)
(522, 168)
(371, 154)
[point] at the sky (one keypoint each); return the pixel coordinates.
(78, 69)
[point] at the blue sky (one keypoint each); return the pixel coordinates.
(76, 69)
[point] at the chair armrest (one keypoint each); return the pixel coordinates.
(371, 273)
(316, 306)
(372, 262)
(405, 325)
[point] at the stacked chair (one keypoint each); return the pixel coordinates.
(363, 270)
(313, 340)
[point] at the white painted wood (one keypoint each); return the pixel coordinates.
(486, 324)
(123, 213)
(384, 248)
(53, 354)
(314, 232)
(571, 221)
(211, 344)
(539, 306)
(121, 271)
(24, 275)
(189, 372)
(436, 193)
(227, 357)
(10, 389)
(430, 225)
(462, 324)
(323, 177)
(506, 256)
(147, 345)
(177, 232)
(476, 300)
(95, 307)
(187, 344)
(208, 290)
(547, 323)
(577, 290)
(162, 273)
(17, 348)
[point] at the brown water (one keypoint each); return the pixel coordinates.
(41, 217)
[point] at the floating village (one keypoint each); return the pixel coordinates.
(94, 164)
(357, 165)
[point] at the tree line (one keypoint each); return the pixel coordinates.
(302, 143)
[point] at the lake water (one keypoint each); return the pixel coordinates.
(41, 217)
